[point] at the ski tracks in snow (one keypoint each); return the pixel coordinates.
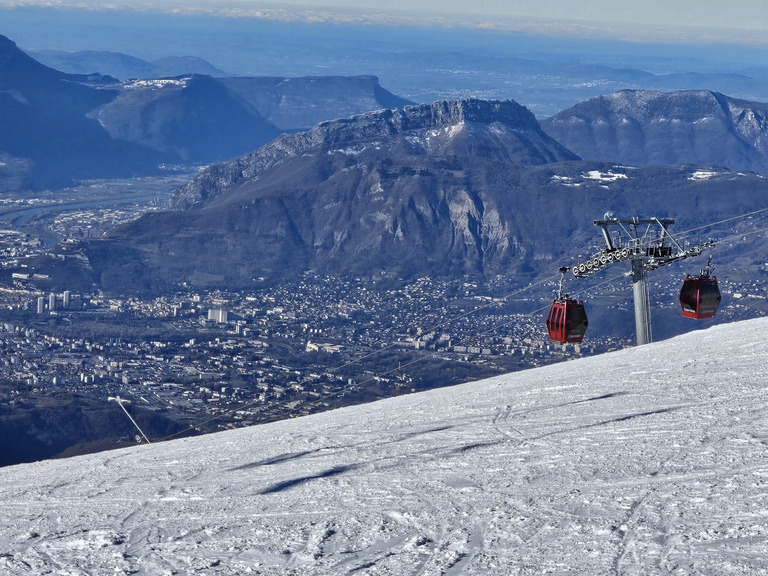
(623, 465)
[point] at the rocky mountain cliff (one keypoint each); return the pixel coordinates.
(497, 131)
(645, 127)
(426, 189)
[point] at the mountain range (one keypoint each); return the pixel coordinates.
(457, 188)
(60, 127)
(646, 127)
(631, 462)
(462, 187)
(123, 66)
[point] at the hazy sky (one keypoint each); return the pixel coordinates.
(639, 17)
(749, 14)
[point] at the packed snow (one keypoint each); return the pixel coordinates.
(649, 460)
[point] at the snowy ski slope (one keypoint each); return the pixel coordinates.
(651, 460)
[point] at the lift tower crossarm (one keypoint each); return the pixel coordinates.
(665, 234)
(634, 221)
(645, 251)
(638, 244)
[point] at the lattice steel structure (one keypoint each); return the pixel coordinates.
(648, 245)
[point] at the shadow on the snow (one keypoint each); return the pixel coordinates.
(602, 397)
(611, 421)
(280, 486)
(275, 460)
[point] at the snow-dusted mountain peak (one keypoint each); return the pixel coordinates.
(502, 129)
(650, 460)
(648, 127)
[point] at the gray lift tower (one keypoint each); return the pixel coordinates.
(648, 245)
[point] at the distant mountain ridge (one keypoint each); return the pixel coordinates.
(283, 101)
(123, 66)
(192, 119)
(59, 127)
(645, 127)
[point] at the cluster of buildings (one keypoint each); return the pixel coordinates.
(48, 304)
(253, 356)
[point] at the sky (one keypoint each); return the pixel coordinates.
(744, 14)
(693, 20)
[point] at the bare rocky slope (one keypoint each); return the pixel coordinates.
(425, 189)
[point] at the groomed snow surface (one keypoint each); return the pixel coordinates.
(650, 460)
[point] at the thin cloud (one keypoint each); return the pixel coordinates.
(640, 33)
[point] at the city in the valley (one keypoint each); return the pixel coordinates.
(233, 358)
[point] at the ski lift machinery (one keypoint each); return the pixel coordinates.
(647, 245)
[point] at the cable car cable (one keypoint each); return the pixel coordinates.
(685, 232)
(464, 315)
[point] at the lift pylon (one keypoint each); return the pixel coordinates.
(648, 245)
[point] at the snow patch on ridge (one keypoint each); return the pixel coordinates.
(349, 151)
(156, 83)
(566, 181)
(591, 175)
(703, 174)
(604, 176)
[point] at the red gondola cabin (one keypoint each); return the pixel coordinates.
(567, 320)
(700, 296)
